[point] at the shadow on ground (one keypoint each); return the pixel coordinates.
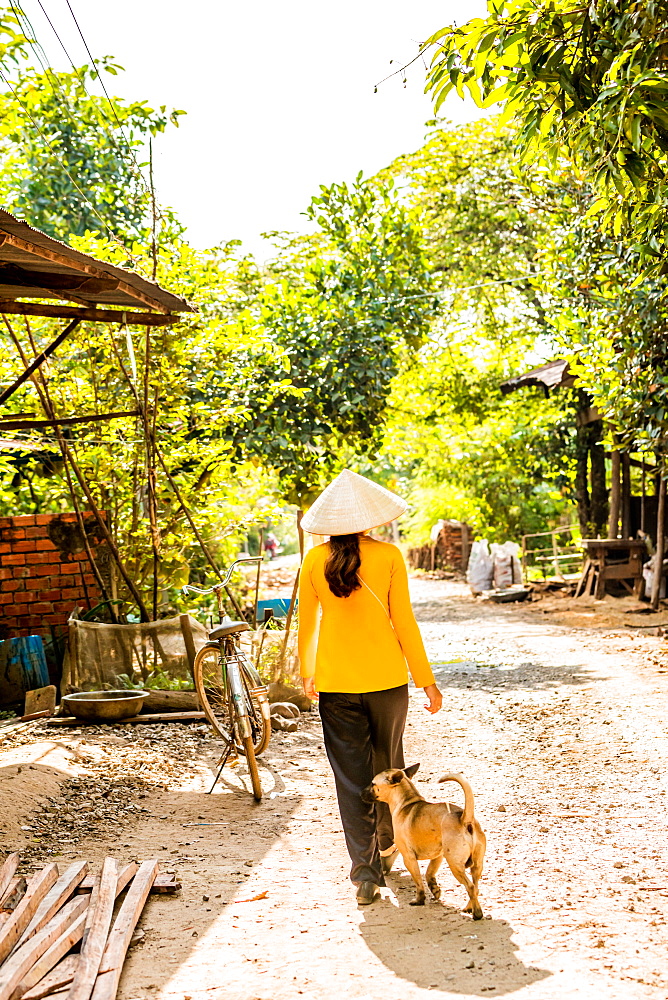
(436, 947)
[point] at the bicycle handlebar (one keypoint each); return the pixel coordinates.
(218, 586)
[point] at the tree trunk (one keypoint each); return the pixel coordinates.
(615, 495)
(626, 495)
(582, 480)
(599, 490)
(658, 558)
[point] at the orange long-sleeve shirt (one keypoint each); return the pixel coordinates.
(352, 646)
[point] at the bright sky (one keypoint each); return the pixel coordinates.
(279, 95)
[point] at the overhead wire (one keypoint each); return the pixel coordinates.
(52, 76)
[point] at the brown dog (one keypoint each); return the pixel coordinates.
(433, 830)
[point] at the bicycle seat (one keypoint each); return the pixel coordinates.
(229, 628)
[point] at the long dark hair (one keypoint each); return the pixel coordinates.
(342, 564)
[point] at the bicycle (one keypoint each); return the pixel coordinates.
(229, 688)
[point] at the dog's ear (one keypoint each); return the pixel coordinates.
(410, 771)
(396, 778)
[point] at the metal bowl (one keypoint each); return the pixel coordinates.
(107, 706)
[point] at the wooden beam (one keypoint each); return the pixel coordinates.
(40, 359)
(90, 313)
(70, 720)
(20, 963)
(52, 957)
(100, 915)
(7, 872)
(106, 985)
(14, 927)
(20, 425)
(61, 975)
(54, 899)
(34, 250)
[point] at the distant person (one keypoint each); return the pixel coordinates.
(271, 545)
(354, 658)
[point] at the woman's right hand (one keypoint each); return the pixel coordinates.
(309, 688)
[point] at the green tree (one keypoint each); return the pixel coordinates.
(586, 81)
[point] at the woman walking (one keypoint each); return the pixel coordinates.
(357, 634)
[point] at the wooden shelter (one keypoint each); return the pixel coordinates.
(612, 511)
(40, 276)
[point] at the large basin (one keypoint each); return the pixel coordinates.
(105, 706)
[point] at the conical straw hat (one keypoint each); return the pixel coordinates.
(351, 503)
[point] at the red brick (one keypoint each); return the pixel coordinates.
(44, 518)
(34, 532)
(21, 572)
(6, 599)
(41, 557)
(5, 547)
(67, 517)
(13, 609)
(50, 570)
(24, 546)
(44, 544)
(67, 569)
(73, 593)
(16, 559)
(15, 534)
(23, 520)
(50, 595)
(24, 597)
(43, 608)
(6, 574)
(89, 580)
(8, 585)
(35, 583)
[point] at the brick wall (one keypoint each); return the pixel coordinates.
(44, 572)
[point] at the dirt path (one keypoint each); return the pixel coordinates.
(563, 735)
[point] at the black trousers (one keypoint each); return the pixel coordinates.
(363, 735)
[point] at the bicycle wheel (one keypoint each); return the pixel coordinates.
(249, 751)
(260, 723)
(211, 686)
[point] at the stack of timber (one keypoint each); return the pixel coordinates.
(450, 550)
(62, 934)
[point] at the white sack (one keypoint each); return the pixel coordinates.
(480, 570)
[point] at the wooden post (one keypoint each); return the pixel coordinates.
(187, 634)
(615, 495)
(658, 558)
(626, 495)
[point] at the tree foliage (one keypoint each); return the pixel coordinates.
(586, 81)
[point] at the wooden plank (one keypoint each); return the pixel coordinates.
(69, 720)
(162, 884)
(7, 873)
(37, 889)
(90, 313)
(14, 895)
(19, 964)
(60, 976)
(40, 700)
(126, 875)
(36, 250)
(26, 425)
(100, 914)
(54, 899)
(52, 957)
(111, 966)
(44, 986)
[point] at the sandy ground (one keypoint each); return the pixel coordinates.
(558, 722)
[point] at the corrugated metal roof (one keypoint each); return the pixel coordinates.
(549, 376)
(34, 265)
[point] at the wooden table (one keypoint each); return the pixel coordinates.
(611, 559)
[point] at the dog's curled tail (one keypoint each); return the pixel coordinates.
(467, 815)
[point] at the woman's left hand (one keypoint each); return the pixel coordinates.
(435, 698)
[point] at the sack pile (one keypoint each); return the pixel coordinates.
(495, 567)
